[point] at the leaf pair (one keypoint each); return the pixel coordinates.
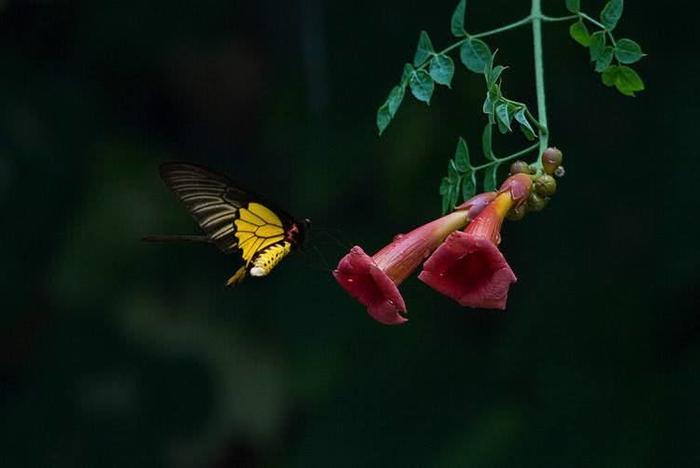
(441, 67)
(624, 78)
(624, 51)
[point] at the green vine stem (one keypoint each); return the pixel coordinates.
(536, 14)
(510, 157)
(516, 24)
(429, 68)
(535, 18)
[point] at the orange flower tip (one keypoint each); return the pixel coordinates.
(471, 270)
(519, 186)
(476, 203)
(359, 275)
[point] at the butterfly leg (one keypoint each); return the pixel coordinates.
(237, 276)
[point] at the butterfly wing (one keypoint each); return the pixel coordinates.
(211, 198)
(233, 218)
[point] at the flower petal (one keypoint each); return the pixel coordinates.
(358, 274)
(471, 270)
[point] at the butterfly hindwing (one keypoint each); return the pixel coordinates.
(257, 228)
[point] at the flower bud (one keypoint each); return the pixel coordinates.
(545, 185)
(536, 202)
(517, 213)
(519, 167)
(551, 159)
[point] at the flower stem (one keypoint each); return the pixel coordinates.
(507, 27)
(536, 14)
(510, 157)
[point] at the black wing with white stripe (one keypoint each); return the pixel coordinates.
(211, 198)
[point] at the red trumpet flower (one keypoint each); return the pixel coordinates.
(374, 280)
(468, 267)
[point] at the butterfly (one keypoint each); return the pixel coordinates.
(235, 220)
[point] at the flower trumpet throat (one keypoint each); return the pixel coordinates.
(374, 280)
(468, 267)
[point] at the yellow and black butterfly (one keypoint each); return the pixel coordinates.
(235, 220)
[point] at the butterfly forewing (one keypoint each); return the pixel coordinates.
(212, 200)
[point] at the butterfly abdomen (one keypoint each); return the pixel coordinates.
(268, 259)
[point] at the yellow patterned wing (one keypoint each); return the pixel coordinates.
(257, 228)
(261, 241)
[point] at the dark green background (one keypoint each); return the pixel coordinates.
(116, 353)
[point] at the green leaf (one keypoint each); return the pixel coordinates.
(627, 81)
(597, 45)
(442, 68)
(490, 182)
(386, 113)
(525, 126)
(407, 73)
(487, 107)
(457, 22)
(489, 66)
(447, 198)
(579, 32)
(452, 172)
(503, 117)
(383, 118)
(487, 142)
(573, 5)
(609, 75)
(611, 14)
(475, 54)
(605, 59)
(494, 74)
(468, 185)
(628, 51)
(424, 49)
(461, 159)
(394, 100)
(444, 185)
(422, 86)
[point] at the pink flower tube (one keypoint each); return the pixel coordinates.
(374, 280)
(468, 266)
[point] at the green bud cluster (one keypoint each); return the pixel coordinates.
(544, 184)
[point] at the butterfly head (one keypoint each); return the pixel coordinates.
(298, 234)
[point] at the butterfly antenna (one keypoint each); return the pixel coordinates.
(323, 258)
(340, 242)
(177, 238)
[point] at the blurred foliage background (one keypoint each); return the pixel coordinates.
(115, 353)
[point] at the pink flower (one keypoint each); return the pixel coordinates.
(374, 280)
(468, 267)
